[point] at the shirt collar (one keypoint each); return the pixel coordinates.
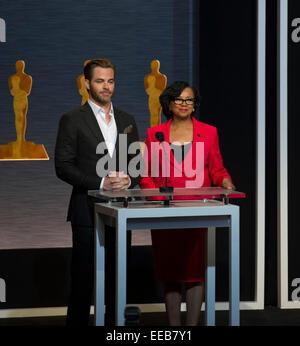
(97, 109)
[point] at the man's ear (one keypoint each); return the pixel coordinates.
(87, 84)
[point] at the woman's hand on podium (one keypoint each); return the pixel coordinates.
(227, 184)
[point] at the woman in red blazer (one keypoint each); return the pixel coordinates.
(193, 160)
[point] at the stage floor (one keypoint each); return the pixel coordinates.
(270, 316)
(15, 237)
(33, 208)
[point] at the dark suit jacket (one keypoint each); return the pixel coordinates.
(75, 157)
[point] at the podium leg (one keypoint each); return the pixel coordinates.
(99, 271)
(234, 270)
(210, 275)
(121, 257)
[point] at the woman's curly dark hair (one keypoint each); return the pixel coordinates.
(174, 90)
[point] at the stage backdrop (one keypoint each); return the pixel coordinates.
(54, 39)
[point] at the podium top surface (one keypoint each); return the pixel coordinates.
(204, 192)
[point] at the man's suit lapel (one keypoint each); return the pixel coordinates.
(119, 130)
(91, 122)
(118, 120)
(93, 125)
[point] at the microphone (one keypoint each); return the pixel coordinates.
(160, 137)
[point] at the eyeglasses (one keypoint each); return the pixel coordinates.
(179, 101)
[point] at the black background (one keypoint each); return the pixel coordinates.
(293, 149)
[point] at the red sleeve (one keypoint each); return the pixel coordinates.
(217, 171)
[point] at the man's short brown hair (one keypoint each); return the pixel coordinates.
(89, 67)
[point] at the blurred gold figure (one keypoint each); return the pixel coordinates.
(20, 85)
(155, 83)
(81, 86)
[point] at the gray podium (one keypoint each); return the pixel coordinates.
(132, 210)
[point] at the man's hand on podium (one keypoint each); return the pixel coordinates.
(116, 181)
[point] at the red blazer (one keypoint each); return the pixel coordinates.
(207, 149)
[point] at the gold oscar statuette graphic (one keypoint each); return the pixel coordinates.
(20, 85)
(155, 83)
(81, 86)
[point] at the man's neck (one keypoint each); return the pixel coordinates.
(105, 106)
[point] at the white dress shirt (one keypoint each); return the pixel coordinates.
(109, 130)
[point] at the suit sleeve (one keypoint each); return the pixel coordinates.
(65, 157)
(135, 138)
(217, 171)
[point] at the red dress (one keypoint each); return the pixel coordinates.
(179, 255)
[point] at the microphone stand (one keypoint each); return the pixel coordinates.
(166, 188)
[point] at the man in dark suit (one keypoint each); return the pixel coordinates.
(80, 131)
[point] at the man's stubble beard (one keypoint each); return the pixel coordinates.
(99, 99)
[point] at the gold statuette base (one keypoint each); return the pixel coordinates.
(23, 151)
